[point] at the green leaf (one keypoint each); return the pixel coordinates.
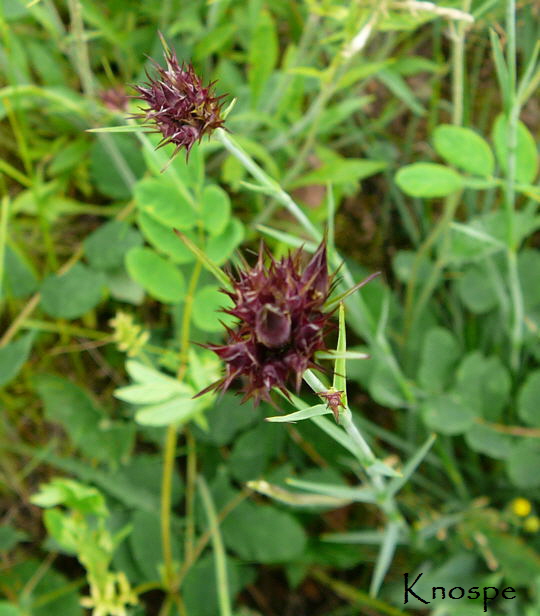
(312, 411)
(526, 152)
(220, 248)
(85, 423)
(164, 239)
(428, 180)
(361, 495)
(105, 248)
(448, 413)
(296, 499)
(215, 210)
(486, 234)
(73, 294)
(19, 276)
(476, 291)
(404, 262)
(225, 419)
(10, 537)
(440, 352)
(29, 574)
(361, 70)
(523, 463)
(145, 544)
(385, 556)
(491, 442)
(179, 409)
(124, 288)
(464, 149)
(207, 304)
(161, 199)
(200, 588)
(72, 494)
(399, 87)
(253, 449)
(69, 157)
(340, 365)
(13, 356)
(179, 171)
(263, 54)
(214, 40)
(412, 464)
(341, 172)
(520, 563)
(382, 384)
(9, 609)
(115, 164)
(152, 393)
(485, 383)
(263, 534)
(528, 399)
(529, 276)
(159, 277)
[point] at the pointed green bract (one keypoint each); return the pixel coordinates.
(340, 368)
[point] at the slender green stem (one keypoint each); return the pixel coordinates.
(458, 66)
(81, 58)
(4, 217)
(385, 499)
(191, 477)
(203, 540)
(414, 306)
(516, 334)
(169, 454)
(224, 599)
(452, 468)
(355, 595)
(271, 185)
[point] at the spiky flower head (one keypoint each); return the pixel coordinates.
(281, 323)
(182, 109)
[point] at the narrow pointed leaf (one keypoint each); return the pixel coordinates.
(294, 498)
(411, 466)
(340, 368)
(312, 411)
(361, 495)
(206, 262)
(385, 556)
(361, 537)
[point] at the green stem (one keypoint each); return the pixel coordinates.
(169, 454)
(81, 58)
(516, 335)
(355, 595)
(385, 499)
(4, 217)
(414, 306)
(170, 440)
(219, 550)
(191, 477)
(271, 185)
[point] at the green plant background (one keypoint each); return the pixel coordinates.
(408, 131)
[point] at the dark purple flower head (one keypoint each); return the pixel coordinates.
(183, 110)
(281, 323)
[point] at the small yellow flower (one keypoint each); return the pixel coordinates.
(521, 507)
(531, 524)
